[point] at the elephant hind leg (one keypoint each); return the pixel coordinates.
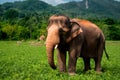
(98, 68)
(98, 58)
(86, 63)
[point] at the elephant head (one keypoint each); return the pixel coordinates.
(56, 24)
(59, 25)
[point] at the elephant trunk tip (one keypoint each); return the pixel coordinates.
(53, 67)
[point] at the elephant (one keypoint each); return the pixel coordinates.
(78, 38)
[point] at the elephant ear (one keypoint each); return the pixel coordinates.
(75, 31)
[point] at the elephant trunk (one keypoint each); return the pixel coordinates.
(51, 41)
(50, 55)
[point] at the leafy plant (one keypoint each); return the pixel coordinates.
(29, 62)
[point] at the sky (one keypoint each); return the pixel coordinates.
(53, 2)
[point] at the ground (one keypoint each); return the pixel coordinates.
(27, 60)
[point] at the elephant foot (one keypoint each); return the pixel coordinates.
(72, 73)
(99, 71)
(63, 71)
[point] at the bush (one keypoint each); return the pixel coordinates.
(114, 33)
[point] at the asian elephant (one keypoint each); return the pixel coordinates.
(80, 38)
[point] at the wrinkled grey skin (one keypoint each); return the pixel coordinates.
(80, 38)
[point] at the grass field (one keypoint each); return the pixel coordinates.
(25, 61)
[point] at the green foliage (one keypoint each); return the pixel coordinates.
(28, 19)
(109, 21)
(97, 8)
(114, 32)
(9, 30)
(29, 62)
(11, 14)
(14, 32)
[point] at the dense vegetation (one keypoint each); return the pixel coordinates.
(28, 19)
(26, 61)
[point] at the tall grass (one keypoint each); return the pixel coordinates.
(29, 62)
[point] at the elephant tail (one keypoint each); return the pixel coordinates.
(106, 53)
(104, 48)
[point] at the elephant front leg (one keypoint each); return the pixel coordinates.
(62, 61)
(86, 63)
(72, 63)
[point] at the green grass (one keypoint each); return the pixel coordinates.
(29, 62)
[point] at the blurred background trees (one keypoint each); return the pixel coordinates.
(28, 19)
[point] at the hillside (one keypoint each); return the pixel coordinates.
(27, 7)
(28, 19)
(92, 8)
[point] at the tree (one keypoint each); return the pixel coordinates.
(22, 33)
(109, 21)
(114, 33)
(11, 14)
(9, 30)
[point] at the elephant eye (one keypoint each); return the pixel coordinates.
(63, 31)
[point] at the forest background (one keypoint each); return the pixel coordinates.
(28, 19)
